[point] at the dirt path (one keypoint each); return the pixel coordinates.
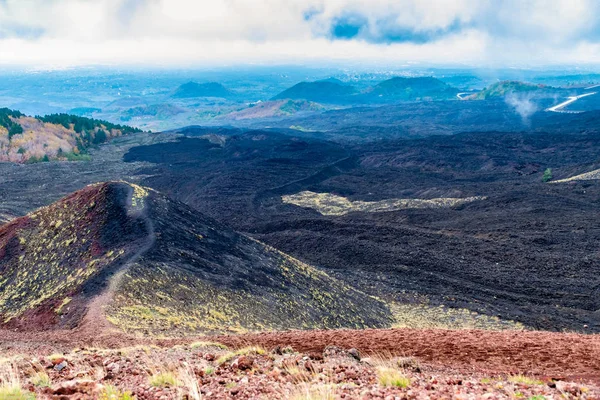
(95, 322)
(560, 107)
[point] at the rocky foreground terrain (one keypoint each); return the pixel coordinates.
(209, 370)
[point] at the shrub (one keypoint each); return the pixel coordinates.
(547, 175)
(77, 157)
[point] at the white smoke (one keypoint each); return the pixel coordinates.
(523, 105)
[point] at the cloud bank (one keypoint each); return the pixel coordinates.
(213, 32)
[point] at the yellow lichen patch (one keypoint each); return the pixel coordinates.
(330, 204)
(588, 176)
(49, 266)
(424, 316)
(139, 194)
(149, 300)
(66, 301)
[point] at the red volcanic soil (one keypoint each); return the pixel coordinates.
(552, 355)
(561, 356)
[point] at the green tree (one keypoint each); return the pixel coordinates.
(100, 136)
(15, 129)
(547, 175)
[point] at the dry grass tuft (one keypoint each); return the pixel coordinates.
(524, 380)
(112, 393)
(197, 345)
(314, 392)
(253, 350)
(188, 380)
(299, 375)
(391, 377)
(40, 379)
(163, 379)
(10, 385)
(56, 356)
(388, 374)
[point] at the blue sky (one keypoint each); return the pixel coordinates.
(216, 32)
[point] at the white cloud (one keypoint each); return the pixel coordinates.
(72, 32)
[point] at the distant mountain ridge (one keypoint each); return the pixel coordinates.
(153, 110)
(194, 89)
(420, 88)
(503, 88)
(333, 91)
(276, 108)
(319, 91)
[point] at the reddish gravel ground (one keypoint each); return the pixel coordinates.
(553, 355)
(203, 370)
(561, 356)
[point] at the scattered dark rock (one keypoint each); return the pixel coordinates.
(60, 366)
(77, 387)
(355, 354)
(409, 363)
(243, 363)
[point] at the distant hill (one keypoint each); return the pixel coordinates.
(160, 111)
(125, 102)
(420, 88)
(163, 268)
(327, 92)
(334, 80)
(53, 137)
(84, 111)
(276, 108)
(503, 88)
(193, 89)
(334, 91)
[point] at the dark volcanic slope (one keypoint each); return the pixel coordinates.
(427, 118)
(528, 253)
(161, 267)
(228, 176)
(54, 260)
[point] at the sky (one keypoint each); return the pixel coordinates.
(225, 32)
